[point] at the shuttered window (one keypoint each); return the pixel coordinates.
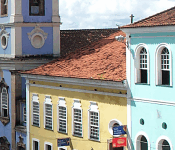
(4, 102)
(36, 113)
(94, 125)
(77, 122)
(48, 116)
(62, 116)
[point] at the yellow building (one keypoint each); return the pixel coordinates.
(72, 102)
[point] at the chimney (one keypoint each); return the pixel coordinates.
(132, 16)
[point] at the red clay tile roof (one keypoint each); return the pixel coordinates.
(104, 59)
(164, 18)
(74, 39)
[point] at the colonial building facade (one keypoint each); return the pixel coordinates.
(29, 30)
(150, 65)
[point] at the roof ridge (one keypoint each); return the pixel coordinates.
(151, 16)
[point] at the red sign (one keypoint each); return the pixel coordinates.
(119, 142)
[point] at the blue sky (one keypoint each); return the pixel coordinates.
(98, 14)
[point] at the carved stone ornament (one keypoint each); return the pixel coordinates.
(20, 143)
(4, 37)
(37, 37)
(4, 143)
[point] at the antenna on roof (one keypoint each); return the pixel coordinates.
(132, 17)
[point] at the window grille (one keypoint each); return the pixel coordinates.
(48, 116)
(4, 98)
(77, 122)
(94, 125)
(62, 114)
(165, 59)
(143, 59)
(24, 115)
(36, 113)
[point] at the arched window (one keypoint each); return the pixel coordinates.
(165, 145)
(163, 65)
(141, 64)
(143, 143)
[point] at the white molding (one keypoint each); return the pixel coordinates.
(78, 81)
(34, 139)
(156, 29)
(77, 105)
(158, 72)
(55, 11)
(153, 101)
(160, 140)
(78, 90)
(152, 36)
(93, 108)
(48, 101)
(37, 31)
(5, 34)
(137, 140)
(61, 102)
(56, 41)
(128, 74)
(28, 115)
(110, 126)
(137, 63)
(16, 11)
(48, 143)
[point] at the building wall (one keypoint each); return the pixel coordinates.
(46, 18)
(6, 130)
(110, 107)
(152, 91)
(27, 47)
(153, 119)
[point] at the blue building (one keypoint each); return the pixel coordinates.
(151, 82)
(30, 37)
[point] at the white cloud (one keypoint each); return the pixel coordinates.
(85, 14)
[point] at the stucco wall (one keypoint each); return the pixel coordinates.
(110, 107)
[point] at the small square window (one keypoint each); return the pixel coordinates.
(37, 7)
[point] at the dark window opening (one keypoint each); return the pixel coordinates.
(165, 77)
(35, 145)
(4, 112)
(143, 143)
(165, 145)
(48, 147)
(36, 7)
(4, 7)
(143, 74)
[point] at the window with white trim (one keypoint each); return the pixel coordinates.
(48, 146)
(163, 65)
(4, 102)
(35, 110)
(141, 64)
(77, 118)
(24, 114)
(62, 115)
(37, 7)
(35, 144)
(48, 113)
(94, 133)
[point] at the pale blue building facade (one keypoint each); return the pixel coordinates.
(151, 81)
(29, 37)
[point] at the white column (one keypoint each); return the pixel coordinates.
(16, 41)
(56, 41)
(55, 11)
(28, 115)
(16, 11)
(128, 73)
